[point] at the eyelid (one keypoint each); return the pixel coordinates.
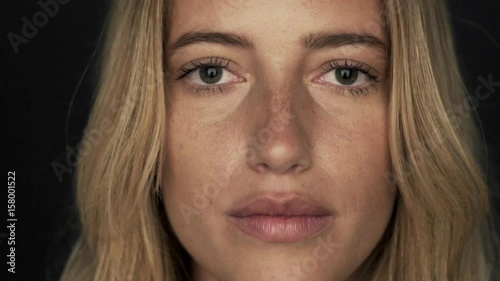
(348, 63)
(335, 64)
(187, 70)
(195, 64)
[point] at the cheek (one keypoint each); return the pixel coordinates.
(359, 161)
(199, 169)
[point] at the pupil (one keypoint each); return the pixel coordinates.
(210, 74)
(346, 76)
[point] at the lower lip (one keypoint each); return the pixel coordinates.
(281, 229)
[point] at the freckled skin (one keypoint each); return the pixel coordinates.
(277, 132)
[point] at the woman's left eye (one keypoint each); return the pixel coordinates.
(347, 77)
(353, 76)
(347, 74)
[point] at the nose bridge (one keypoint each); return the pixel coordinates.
(280, 143)
(281, 102)
(280, 87)
(278, 100)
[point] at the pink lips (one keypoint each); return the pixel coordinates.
(282, 221)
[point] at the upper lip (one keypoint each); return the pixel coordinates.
(268, 206)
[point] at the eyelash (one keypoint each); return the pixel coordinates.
(332, 65)
(354, 65)
(204, 62)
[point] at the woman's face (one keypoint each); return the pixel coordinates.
(277, 147)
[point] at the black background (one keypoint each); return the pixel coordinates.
(46, 91)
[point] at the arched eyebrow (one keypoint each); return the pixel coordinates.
(310, 41)
(228, 39)
(330, 40)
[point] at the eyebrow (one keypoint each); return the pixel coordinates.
(228, 39)
(327, 40)
(311, 41)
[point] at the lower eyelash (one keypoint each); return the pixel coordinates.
(210, 90)
(207, 90)
(357, 91)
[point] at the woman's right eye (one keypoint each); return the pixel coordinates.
(210, 75)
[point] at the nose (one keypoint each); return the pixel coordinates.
(280, 143)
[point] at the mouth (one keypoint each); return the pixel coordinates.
(280, 221)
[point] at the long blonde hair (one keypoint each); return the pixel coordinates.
(439, 230)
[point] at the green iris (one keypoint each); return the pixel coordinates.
(346, 76)
(210, 74)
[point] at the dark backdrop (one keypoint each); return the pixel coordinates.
(46, 88)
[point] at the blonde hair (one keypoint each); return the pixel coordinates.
(439, 229)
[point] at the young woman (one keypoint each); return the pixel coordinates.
(281, 140)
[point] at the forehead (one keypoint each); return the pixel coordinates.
(272, 19)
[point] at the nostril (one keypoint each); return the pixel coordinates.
(262, 167)
(295, 167)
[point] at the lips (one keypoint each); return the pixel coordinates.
(280, 221)
(266, 206)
